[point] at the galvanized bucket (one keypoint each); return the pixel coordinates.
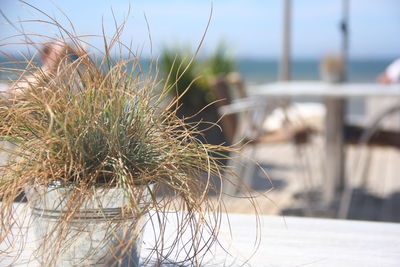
(97, 235)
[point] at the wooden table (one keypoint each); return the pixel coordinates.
(286, 241)
(335, 96)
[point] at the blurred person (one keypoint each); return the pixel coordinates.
(332, 68)
(391, 74)
(52, 55)
(378, 105)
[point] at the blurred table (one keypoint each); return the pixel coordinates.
(288, 241)
(317, 88)
(334, 96)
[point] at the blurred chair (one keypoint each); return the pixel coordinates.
(371, 136)
(243, 119)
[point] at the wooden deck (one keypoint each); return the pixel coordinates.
(297, 178)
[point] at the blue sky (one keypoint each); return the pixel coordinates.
(251, 28)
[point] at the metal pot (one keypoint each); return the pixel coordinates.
(98, 233)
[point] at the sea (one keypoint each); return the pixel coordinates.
(261, 71)
(258, 71)
(265, 71)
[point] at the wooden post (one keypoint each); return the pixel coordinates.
(284, 68)
(335, 156)
(335, 122)
(344, 27)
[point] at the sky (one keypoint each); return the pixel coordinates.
(250, 28)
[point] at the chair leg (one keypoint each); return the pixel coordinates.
(229, 187)
(249, 168)
(345, 202)
(346, 199)
(244, 169)
(362, 165)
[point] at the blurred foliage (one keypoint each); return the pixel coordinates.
(220, 62)
(184, 72)
(180, 74)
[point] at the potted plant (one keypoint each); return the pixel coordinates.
(94, 143)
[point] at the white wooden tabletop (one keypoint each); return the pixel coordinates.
(295, 241)
(319, 88)
(288, 241)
